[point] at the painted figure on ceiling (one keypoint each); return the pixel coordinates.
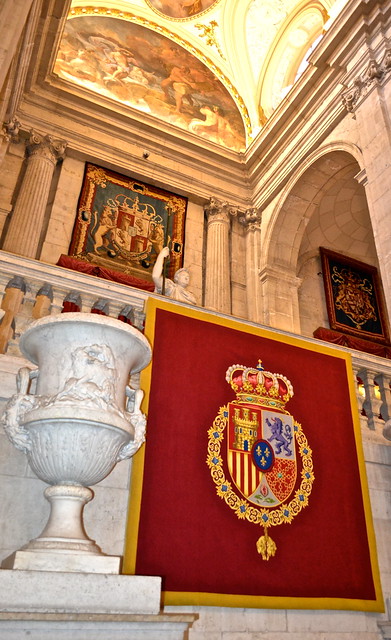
(145, 70)
(181, 8)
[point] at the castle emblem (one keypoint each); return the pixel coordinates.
(257, 443)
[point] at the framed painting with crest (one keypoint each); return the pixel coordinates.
(354, 299)
(122, 224)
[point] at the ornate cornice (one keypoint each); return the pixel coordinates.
(374, 74)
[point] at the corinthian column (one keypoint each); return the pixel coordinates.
(28, 215)
(251, 221)
(217, 280)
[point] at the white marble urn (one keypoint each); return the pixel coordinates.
(82, 419)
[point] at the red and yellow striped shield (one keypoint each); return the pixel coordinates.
(261, 453)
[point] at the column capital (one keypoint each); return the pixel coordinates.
(45, 146)
(373, 75)
(250, 219)
(219, 210)
(11, 129)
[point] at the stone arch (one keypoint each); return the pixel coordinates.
(324, 204)
(300, 197)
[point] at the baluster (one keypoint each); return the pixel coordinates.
(139, 319)
(384, 381)
(127, 315)
(101, 307)
(72, 302)
(11, 303)
(360, 395)
(373, 401)
(43, 302)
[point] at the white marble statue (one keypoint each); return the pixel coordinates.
(177, 289)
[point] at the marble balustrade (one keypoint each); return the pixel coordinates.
(30, 289)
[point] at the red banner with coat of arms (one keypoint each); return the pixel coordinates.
(250, 478)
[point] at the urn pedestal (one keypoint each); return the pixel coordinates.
(81, 421)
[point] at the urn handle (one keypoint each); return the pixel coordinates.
(24, 377)
(138, 421)
(17, 407)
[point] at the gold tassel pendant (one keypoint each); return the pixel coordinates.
(266, 546)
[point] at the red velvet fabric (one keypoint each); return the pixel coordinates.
(335, 337)
(98, 312)
(69, 262)
(190, 536)
(68, 307)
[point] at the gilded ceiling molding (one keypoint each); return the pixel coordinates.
(153, 26)
(374, 74)
(208, 32)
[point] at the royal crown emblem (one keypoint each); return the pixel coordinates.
(257, 442)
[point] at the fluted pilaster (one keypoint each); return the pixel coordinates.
(251, 220)
(28, 215)
(218, 281)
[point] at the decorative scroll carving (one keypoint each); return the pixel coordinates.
(11, 129)
(219, 210)
(374, 74)
(46, 147)
(250, 219)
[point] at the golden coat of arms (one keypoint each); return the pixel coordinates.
(263, 449)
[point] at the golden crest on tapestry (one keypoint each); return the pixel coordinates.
(264, 450)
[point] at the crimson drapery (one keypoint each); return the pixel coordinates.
(336, 337)
(95, 270)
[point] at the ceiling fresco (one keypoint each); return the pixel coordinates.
(146, 70)
(181, 8)
(214, 68)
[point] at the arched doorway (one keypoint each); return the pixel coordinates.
(324, 205)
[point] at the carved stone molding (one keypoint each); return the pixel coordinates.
(11, 130)
(362, 177)
(374, 74)
(219, 210)
(46, 147)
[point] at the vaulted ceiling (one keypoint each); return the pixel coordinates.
(215, 68)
